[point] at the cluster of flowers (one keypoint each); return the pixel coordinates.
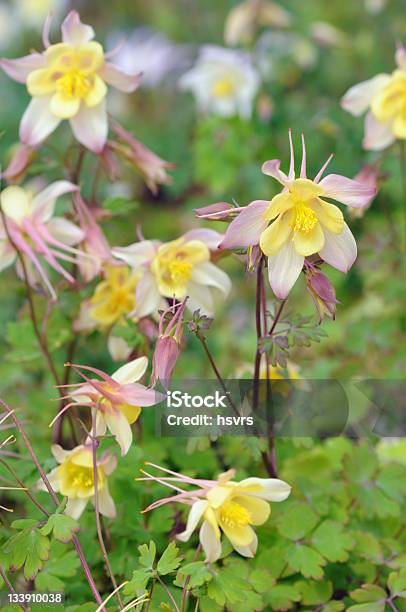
(295, 231)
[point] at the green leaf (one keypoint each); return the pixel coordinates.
(297, 521)
(367, 607)
(63, 527)
(21, 337)
(306, 560)
(64, 566)
(24, 523)
(332, 541)
(368, 593)
(226, 587)
(261, 580)
(314, 593)
(282, 596)
(147, 554)
(138, 582)
(361, 464)
(28, 548)
(198, 573)
(169, 561)
(397, 583)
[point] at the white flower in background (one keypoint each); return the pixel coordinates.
(176, 269)
(149, 52)
(68, 81)
(374, 7)
(246, 18)
(8, 26)
(384, 97)
(223, 81)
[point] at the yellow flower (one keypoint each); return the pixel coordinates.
(114, 297)
(223, 506)
(173, 265)
(68, 81)
(384, 96)
(74, 479)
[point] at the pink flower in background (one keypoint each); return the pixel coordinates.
(118, 399)
(152, 168)
(299, 222)
(28, 225)
(384, 97)
(68, 81)
(176, 269)
(94, 241)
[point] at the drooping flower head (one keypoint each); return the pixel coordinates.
(68, 81)
(167, 348)
(385, 97)
(176, 269)
(117, 399)
(222, 506)
(74, 479)
(299, 222)
(223, 81)
(29, 226)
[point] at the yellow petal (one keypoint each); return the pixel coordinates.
(275, 235)
(329, 215)
(308, 243)
(258, 508)
(89, 57)
(218, 495)
(278, 205)
(305, 189)
(63, 107)
(83, 458)
(239, 536)
(96, 93)
(399, 126)
(16, 203)
(131, 413)
(210, 517)
(41, 82)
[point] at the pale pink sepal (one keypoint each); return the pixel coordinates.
(358, 98)
(246, 229)
(347, 191)
(90, 127)
(340, 250)
(378, 134)
(19, 69)
(37, 122)
(74, 32)
(284, 269)
(119, 79)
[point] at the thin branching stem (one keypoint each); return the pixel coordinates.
(95, 444)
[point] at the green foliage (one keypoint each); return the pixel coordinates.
(28, 548)
(62, 526)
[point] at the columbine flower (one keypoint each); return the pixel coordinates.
(29, 225)
(117, 399)
(167, 347)
(223, 81)
(74, 479)
(152, 168)
(322, 292)
(385, 97)
(94, 241)
(114, 297)
(302, 222)
(68, 81)
(175, 270)
(223, 506)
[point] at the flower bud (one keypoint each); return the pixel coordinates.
(323, 294)
(167, 347)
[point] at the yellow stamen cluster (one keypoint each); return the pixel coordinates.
(223, 88)
(74, 84)
(303, 219)
(179, 271)
(233, 514)
(114, 297)
(76, 479)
